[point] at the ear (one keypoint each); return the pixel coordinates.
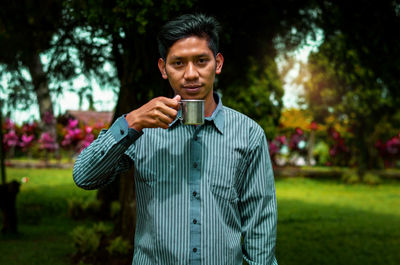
(161, 66)
(220, 62)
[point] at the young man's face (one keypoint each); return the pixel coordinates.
(190, 68)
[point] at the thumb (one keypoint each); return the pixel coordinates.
(177, 98)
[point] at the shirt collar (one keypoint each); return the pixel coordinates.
(217, 117)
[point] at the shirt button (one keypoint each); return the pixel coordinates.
(122, 131)
(195, 250)
(194, 194)
(195, 165)
(195, 138)
(194, 221)
(102, 152)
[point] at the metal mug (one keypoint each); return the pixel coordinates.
(192, 111)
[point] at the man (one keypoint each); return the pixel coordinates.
(201, 190)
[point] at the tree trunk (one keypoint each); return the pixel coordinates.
(126, 222)
(140, 81)
(40, 85)
(310, 147)
(2, 155)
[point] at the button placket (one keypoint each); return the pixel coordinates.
(195, 203)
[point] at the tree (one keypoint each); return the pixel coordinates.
(26, 32)
(366, 28)
(352, 94)
(2, 151)
(354, 73)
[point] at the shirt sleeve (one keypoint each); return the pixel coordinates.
(257, 206)
(99, 163)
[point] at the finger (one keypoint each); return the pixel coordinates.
(164, 120)
(172, 102)
(168, 111)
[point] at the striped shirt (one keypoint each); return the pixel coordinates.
(205, 194)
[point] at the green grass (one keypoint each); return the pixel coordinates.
(326, 222)
(319, 222)
(43, 223)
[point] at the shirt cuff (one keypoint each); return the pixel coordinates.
(120, 131)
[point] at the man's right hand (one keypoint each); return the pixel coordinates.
(157, 113)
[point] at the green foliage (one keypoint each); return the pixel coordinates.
(261, 99)
(85, 240)
(351, 177)
(321, 153)
(371, 179)
(80, 209)
(352, 93)
(119, 247)
(115, 209)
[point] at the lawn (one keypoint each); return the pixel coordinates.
(319, 222)
(326, 222)
(43, 222)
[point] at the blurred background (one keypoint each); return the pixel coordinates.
(320, 77)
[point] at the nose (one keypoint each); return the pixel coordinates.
(191, 72)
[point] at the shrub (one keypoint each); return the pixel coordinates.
(119, 247)
(351, 177)
(371, 179)
(79, 209)
(86, 240)
(75, 208)
(115, 209)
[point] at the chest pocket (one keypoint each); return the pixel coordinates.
(222, 178)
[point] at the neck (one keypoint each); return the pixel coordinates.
(209, 105)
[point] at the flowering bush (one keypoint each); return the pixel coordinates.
(47, 142)
(297, 140)
(339, 152)
(10, 140)
(26, 141)
(22, 140)
(276, 148)
(389, 150)
(75, 138)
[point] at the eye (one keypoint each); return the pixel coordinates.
(178, 63)
(202, 60)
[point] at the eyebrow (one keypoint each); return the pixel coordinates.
(174, 57)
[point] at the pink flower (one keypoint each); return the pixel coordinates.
(10, 139)
(72, 123)
(273, 149)
(281, 139)
(47, 142)
(88, 129)
(299, 131)
(26, 141)
(67, 140)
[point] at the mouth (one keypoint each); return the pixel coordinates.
(193, 88)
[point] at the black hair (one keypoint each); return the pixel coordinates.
(188, 25)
